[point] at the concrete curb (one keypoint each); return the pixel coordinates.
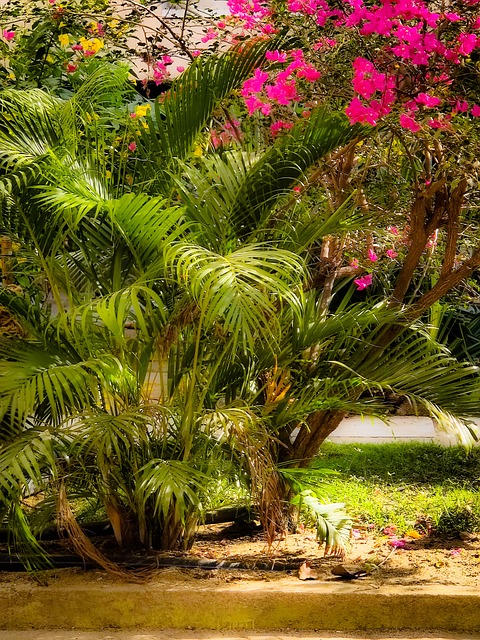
(250, 606)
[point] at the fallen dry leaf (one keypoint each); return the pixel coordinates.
(305, 572)
(348, 572)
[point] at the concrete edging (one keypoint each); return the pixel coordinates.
(252, 605)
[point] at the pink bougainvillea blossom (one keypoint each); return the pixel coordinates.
(391, 253)
(372, 256)
(408, 122)
(276, 56)
(417, 54)
(354, 263)
(393, 230)
(428, 100)
(8, 34)
(390, 530)
(397, 543)
(280, 125)
(363, 282)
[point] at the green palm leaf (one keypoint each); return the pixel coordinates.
(244, 288)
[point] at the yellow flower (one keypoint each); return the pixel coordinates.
(198, 151)
(11, 76)
(16, 246)
(142, 110)
(108, 174)
(50, 59)
(92, 44)
(64, 39)
(113, 24)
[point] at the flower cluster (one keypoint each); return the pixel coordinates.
(268, 88)
(160, 69)
(416, 53)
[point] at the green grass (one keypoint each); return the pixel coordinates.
(406, 484)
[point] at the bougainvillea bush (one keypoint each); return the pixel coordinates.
(408, 72)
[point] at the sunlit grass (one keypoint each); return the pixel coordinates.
(406, 484)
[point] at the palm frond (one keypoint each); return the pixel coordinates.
(243, 288)
(332, 523)
(284, 163)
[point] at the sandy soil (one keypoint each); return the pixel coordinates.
(426, 561)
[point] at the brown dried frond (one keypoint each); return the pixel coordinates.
(266, 486)
(67, 524)
(9, 326)
(182, 319)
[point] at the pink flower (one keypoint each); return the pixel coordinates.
(276, 127)
(475, 111)
(358, 112)
(428, 100)
(297, 188)
(393, 230)
(390, 530)
(221, 24)
(407, 122)
(309, 73)
(268, 28)
(461, 106)
(356, 534)
(372, 256)
(354, 263)
(167, 60)
(77, 47)
(132, 146)
(397, 544)
(71, 68)
(8, 35)
(180, 69)
(453, 17)
(363, 282)
(455, 552)
(255, 84)
(132, 115)
(196, 53)
(468, 42)
(392, 254)
(276, 56)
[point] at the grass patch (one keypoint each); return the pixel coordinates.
(406, 484)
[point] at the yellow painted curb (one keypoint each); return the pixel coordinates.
(282, 604)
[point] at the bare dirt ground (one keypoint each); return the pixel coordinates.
(422, 561)
(427, 560)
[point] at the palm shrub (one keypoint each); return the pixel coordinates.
(169, 333)
(135, 319)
